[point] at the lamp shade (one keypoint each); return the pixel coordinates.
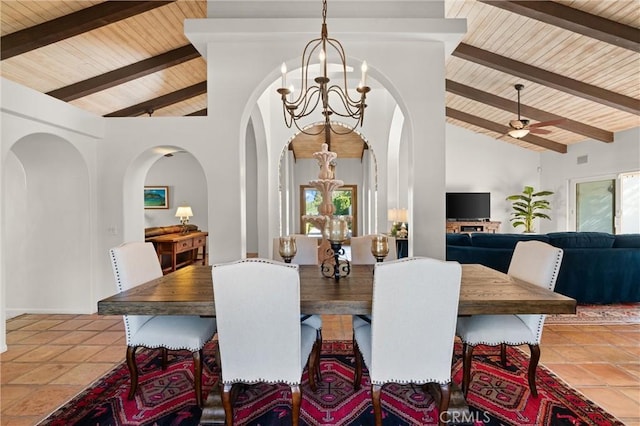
(397, 215)
(184, 211)
(403, 216)
(518, 133)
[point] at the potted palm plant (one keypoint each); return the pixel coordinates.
(527, 206)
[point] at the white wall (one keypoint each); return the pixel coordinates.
(252, 192)
(187, 186)
(622, 155)
(478, 163)
(48, 195)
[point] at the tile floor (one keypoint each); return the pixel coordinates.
(53, 357)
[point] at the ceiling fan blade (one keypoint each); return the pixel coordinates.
(539, 131)
(548, 123)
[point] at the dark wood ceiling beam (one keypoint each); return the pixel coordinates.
(575, 20)
(162, 101)
(527, 111)
(73, 24)
(200, 113)
(125, 74)
(547, 78)
(498, 128)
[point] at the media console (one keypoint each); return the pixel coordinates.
(454, 227)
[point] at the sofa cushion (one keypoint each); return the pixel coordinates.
(581, 239)
(455, 239)
(504, 240)
(627, 241)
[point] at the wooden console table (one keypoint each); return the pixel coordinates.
(172, 245)
(487, 227)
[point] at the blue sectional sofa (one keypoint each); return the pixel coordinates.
(596, 268)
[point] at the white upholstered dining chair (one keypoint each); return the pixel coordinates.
(537, 263)
(361, 250)
(410, 338)
(361, 255)
(135, 263)
(306, 254)
(260, 335)
(307, 250)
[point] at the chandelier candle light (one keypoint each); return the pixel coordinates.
(333, 98)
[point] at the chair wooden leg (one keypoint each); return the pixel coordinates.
(445, 396)
(164, 358)
(318, 343)
(296, 398)
(225, 391)
(467, 353)
(503, 354)
(377, 408)
(533, 364)
(312, 367)
(197, 375)
(218, 363)
(133, 370)
(357, 376)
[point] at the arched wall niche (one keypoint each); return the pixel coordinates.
(47, 199)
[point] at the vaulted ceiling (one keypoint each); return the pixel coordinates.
(579, 62)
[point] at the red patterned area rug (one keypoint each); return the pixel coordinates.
(620, 313)
(498, 396)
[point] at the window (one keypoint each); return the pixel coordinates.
(345, 201)
(629, 203)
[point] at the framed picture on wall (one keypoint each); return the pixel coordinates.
(156, 197)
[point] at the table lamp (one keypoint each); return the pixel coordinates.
(184, 213)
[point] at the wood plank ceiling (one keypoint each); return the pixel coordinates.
(579, 62)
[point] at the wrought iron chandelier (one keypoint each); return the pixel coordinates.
(334, 99)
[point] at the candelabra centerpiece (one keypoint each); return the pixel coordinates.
(287, 248)
(335, 229)
(336, 232)
(379, 247)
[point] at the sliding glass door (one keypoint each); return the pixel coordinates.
(595, 206)
(606, 204)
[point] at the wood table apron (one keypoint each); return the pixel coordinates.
(172, 245)
(189, 291)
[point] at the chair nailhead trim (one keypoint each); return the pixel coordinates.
(252, 382)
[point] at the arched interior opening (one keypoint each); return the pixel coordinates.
(47, 221)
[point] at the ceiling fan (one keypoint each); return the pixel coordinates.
(521, 128)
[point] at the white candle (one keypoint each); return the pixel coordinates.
(283, 70)
(364, 73)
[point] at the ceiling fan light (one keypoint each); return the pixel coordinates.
(518, 133)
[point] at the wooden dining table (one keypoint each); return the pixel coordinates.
(189, 291)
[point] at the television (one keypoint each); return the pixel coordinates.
(470, 206)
